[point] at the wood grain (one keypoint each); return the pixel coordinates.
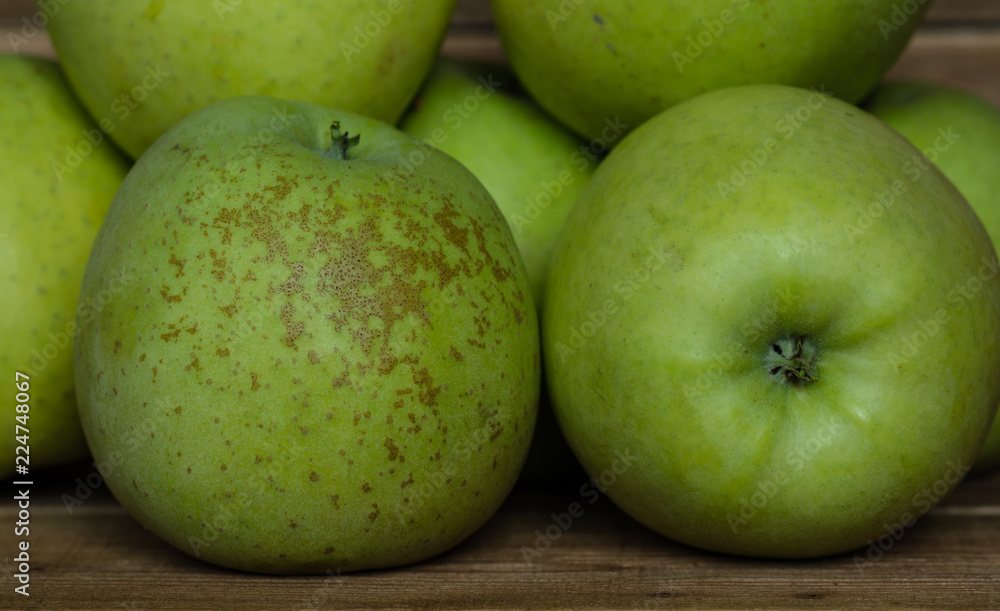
(966, 56)
(99, 558)
(964, 11)
(473, 14)
(476, 13)
(969, 59)
(963, 57)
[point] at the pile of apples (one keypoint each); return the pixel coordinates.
(296, 339)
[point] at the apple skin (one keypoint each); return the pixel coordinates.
(321, 364)
(918, 111)
(48, 221)
(644, 56)
(718, 230)
(139, 67)
(533, 167)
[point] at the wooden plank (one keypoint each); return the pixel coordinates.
(969, 59)
(964, 11)
(476, 14)
(13, 10)
(98, 557)
(960, 57)
(25, 41)
(473, 14)
(966, 58)
(477, 46)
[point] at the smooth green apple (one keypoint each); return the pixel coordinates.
(139, 67)
(786, 324)
(329, 358)
(591, 62)
(960, 133)
(532, 166)
(52, 200)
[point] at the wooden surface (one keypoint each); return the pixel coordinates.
(958, 45)
(99, 558)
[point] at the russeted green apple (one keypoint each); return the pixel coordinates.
(49, 215)
(329, 357)
(592, 62)
(789, 330)
(532, 166)
(960, 133)
(139, 67)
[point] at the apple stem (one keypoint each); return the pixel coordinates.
(792, 360)
(341, 142)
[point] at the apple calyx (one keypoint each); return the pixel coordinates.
(342, 142)
(792, 360)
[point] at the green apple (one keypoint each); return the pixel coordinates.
(534, 169)
(785, 323)
(960, 133)
(49, 215)
(329, 357)
(139, 67)
(644, 56)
